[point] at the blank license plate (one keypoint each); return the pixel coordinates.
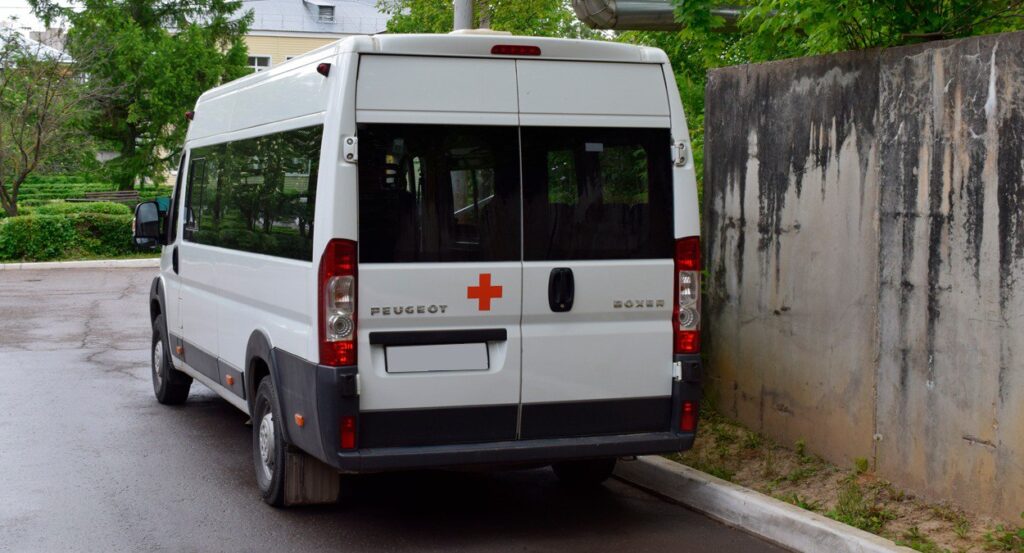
(448, 357)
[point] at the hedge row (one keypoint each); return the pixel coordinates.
(64, 208)
(76, 187)
(56, 179)
(59, 207)
(71, 235)
(43, 186)
(152, 192)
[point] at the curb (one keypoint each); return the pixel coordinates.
(91, 264)
(776, 521)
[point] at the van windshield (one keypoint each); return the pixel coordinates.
(431, 193)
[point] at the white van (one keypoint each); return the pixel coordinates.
(410, 251)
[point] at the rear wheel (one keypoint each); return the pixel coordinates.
(285, 475)
(169, 384)
(268, 447)
(584, 474)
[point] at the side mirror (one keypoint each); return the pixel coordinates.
(146, 227)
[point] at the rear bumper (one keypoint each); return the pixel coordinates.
(511, 452)
(454, 437)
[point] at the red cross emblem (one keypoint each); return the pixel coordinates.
(484, 292)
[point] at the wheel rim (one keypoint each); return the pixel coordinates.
(158, 363)
(267, 445)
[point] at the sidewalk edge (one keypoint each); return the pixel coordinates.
(776, 521)
(145, 262)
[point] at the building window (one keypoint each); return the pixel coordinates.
(325, 14)
(259, 63)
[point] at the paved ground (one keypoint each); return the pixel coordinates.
(90, 462)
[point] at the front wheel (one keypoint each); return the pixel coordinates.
(169, 384)
(584, 474)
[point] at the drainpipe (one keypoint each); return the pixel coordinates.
(641, 15)
(463, 14)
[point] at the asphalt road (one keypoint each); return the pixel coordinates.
(89, 461)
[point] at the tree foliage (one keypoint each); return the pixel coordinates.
(163, 54)
(43, 103)
(553, 18)
(778, 29)
(766, 30)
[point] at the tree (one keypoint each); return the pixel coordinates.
(43, 103)
(164, 54)
(777, 29)
(521, 17)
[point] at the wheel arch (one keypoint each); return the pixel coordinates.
(259, 363)
(156, 299)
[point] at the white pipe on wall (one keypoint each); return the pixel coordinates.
(639, 15)
(463, 14)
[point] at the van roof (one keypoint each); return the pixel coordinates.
(458, 44)
(478, 44)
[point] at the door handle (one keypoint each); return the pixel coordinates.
(174, 259)
(561, 289)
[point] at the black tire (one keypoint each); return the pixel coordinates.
(268, 456)
(584, 474)
(170, 385)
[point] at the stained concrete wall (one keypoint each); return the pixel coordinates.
(864, 238)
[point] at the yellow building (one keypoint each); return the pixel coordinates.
(282, 29)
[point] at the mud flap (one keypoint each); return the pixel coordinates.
(308, 481)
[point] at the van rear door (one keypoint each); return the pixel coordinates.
(598, 247)
(440, 272)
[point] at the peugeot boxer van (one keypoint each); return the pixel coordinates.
(412, 251)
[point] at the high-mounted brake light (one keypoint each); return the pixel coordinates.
(686, 309)
(515, 50)
(337, 293)
(324, 69)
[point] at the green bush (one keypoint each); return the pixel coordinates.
(35, 238)
(64, 208)
(103, 235)
(74, 235)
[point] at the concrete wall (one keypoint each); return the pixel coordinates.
(864, 230)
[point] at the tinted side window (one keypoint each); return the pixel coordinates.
(597, 193)
(256, 195)
(438, 193)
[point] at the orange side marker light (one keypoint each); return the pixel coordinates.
(300, 420)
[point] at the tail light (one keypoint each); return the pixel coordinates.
(337, 293)
(688, 417)
(686, 311)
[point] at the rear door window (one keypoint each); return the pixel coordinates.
(432, 193)
(596, 193)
